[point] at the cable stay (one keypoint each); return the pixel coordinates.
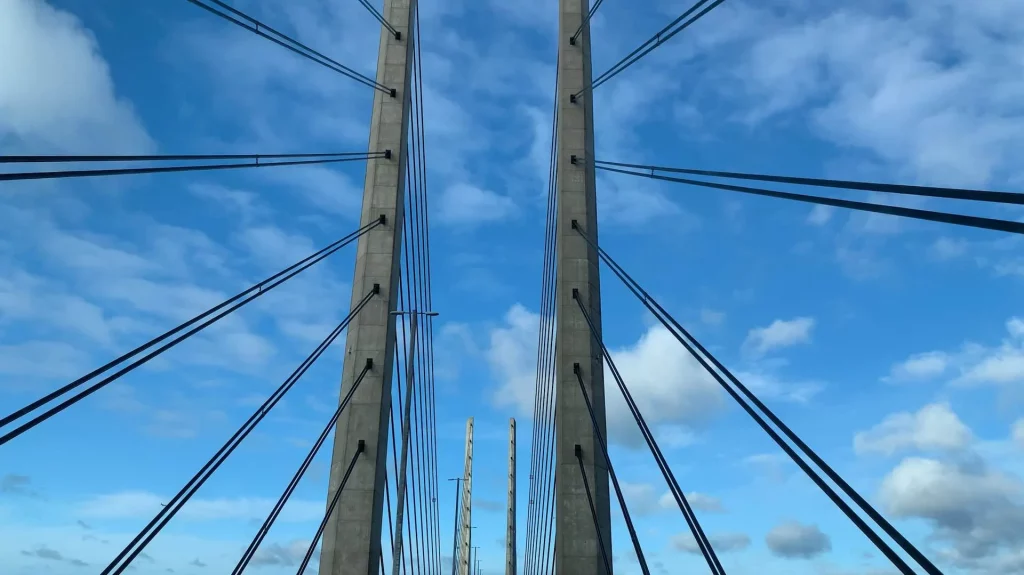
(124, 559)
(57, 159)
(251, 24)
(186, 330)
(924, 191)
(590, 14)
(706, 359)
(255, 163)
(261, 534)
(913, 213)
(593, 510)
(653, 42)
(611, 472)
(540, 455)
(360, 448)
(380, 18)
(684, 506)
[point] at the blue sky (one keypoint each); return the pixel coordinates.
(891, 346)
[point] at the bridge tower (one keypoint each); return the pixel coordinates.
(577, 544)
(351, 540)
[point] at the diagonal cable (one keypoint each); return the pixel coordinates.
(611, 472)
(699, 352)
(380, 18)
(653, 42)
(275, 512)
(193, 326)
(593, 510)
(240, 19)
(902, 189)
(135, 547)
(684, 506)
(60, 174)
(61, 159)
(361, 447)
(914, 213)
(590, 14)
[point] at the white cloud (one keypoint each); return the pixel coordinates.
(948, 248)
(641, 498)
(934, 426)
(712, 317)
(512, 355)
(702, 502)
(793, 540)
(670, 388)
(720, 542)
(778, 335)
(973, 364)
(920, 366)
(467, 204)
(43, 52)
(973, 508)
(884, 80)
(144, 504)
(1018, 432)
(820, 215)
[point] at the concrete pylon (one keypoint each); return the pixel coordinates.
(577, 546)
(351, 540)
(467, 504)
(510, 528)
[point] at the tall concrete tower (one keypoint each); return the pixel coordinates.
(577, 546)
(510, 528)
(467, 505)
(351, 540)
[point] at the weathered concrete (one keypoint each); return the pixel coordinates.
(467, 504)
(510, 523)
(351, 541)
(577, 549)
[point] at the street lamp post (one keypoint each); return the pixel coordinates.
(406, 417)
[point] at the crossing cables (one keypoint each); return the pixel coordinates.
(257, 161)
(913, 213)
(684, 506)
(706, 359)
(175, 336)
(261, 534)
(662, 36)
(380, 18)
(124, 559)
(243, 20)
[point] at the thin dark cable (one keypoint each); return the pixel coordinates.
(421, 468)
(590, 14)
(914, 213)
(548, 459)
(684, 506)
(241, 298)
(301, 49)
(531, 562)
(330, 508)
(430, 325)
(593, 510)
(53, 175)
(416, 452)
(685, 338)
(925, 191)
(165, 157)
(658, 39)
(181, 498)
(391, 521)
(398, 384)
(380, 18)
(611, 473)
(261, 534)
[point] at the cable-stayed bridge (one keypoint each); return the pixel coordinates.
(385, 417)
